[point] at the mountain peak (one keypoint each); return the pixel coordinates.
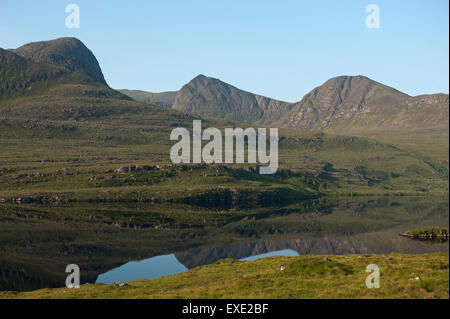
(211, 97)
(69, 53)
(348, 80)
(343, 98)
(64, 65)
(42, 51)
(199, 77)
(203, 80)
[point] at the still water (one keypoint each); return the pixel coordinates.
(123, 242)
(163, 266)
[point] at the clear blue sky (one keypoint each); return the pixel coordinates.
(281, 49)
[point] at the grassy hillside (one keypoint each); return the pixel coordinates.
(304, 277)
(76, 146)
(73, 146)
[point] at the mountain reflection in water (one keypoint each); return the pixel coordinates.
(37, 242)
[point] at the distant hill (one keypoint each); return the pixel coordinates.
(36, 67)
(211, 97)
(357, 102)
(163, 99)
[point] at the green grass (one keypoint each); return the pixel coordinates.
(54, 158)
(307, 276)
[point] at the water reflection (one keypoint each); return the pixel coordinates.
(145, 269)
(284, 252)
(165, 265)
(38, 241)
(383, 242)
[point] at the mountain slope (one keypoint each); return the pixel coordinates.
(342, 104)
(342, 98)
(211, 97)
(162, 99)
(19, 75)
(36, 67)
(359, 103)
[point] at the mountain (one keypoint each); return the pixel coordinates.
(65, 133)
(59, 73)
(213, 98)
(341, 104)
(358, 103)
(163, 99)
(50, 85)
(66, 63)
(342, 98)
(68, 53)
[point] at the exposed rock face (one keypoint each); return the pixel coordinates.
(343, 98)
(211, 97)
(429, 99)
(431, 110)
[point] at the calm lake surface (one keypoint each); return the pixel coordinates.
(122, 242)
(165, 265)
